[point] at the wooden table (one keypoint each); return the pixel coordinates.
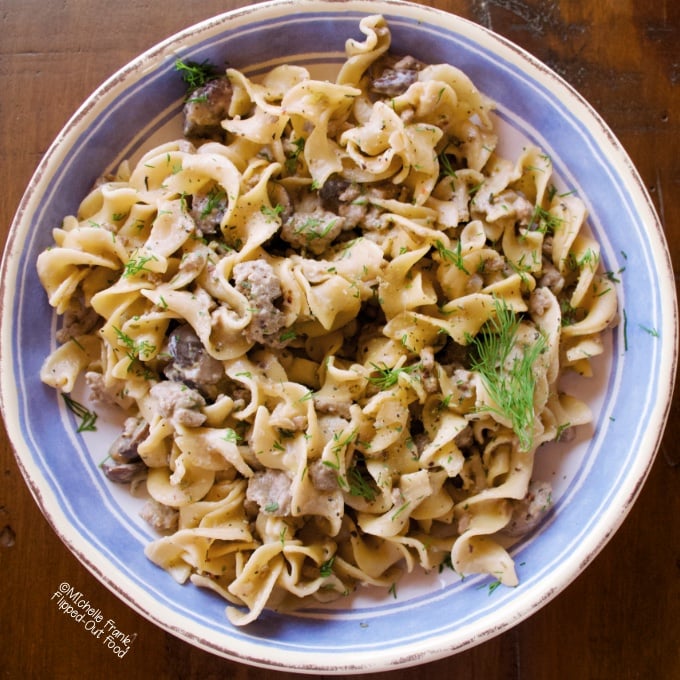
(621, 618)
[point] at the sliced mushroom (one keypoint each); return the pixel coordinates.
(123, 473)
(190, 362)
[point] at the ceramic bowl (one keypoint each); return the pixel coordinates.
(596, 478)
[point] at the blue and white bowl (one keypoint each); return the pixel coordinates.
(596, 479)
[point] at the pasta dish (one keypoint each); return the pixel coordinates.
(335, 318)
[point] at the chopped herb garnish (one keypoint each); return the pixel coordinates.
(453, 256)
(87, 418)
(135, 349)
(288, 335)
(568, 313)
(388, 377)
(342, 443)
(652, 331)
(292, 157)
(445, 165)
(560, 430)
(195, 74)
(474, 189)
(232, 436)
(135, 265)
(216, 199)
(314, 228)
(446, 562)
(589, 258)
(326, 568)
(444, 403)
(400, 509)
(358, 485)
(273, 213)
(613, 276)
(544, 221)
(493, 586)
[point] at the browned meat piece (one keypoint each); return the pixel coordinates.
(539, 301)
(259, 283)
(332, 406)
(551, 277)
(270, 491)
(78, 320)
(206, 108)
(208, 209)
(464, 383)
(355, 203)
(429, 370)
(313, 231)
(179, 403)
(159, 516)
(281, 200)
(98, 392)
(324, 478)
(528, 512)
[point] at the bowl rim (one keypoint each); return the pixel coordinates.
(116, 84)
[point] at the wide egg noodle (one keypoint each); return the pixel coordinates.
(351, 432)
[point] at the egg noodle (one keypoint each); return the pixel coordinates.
(337, 331)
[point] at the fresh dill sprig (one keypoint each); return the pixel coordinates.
(195, 74)
(385, 377)
(231, 436)
(359, 485)
(453, 256)
(216, 197)
(292, 156)
(491, 587)
(446, 169)
(509, 380)
(87, 418)
(652, 331)
(137, 264)
(544, 221)
(136, 350)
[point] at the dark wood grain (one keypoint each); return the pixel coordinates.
(621, 618)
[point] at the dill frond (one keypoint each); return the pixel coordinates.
(509, 380)
(195, 74)
(383, 377)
